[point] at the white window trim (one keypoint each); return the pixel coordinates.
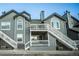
(55, 22)
(17, 25)
(20, 37)
(9, 25)
(59, 25)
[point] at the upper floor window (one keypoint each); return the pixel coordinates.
(20, 24)
(5, 25)
(20, 38)
(56, 24)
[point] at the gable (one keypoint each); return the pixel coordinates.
(56, 15)
(8, 13)
(26, 14)
(54, 18)
(20, 16)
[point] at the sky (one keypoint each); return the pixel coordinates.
(35, 8)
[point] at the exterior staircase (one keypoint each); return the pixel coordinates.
(57, 34)
(63, 38)
(7, 39)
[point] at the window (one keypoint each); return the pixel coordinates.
(52, 24)
(5, 25)
(56, 24)
(19, 24)
(20, 38)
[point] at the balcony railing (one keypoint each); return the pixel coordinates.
(38, 27)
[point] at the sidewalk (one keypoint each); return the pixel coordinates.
(37, 53)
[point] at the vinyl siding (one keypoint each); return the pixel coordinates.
(10, 19)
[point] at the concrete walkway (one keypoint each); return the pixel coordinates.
(37, 53)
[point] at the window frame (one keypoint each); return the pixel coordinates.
(19, 37)
(5, 22)
(19, 21)
(56, 24)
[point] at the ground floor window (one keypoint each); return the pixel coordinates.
(20, 38)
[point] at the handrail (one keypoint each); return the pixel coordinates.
(62, 35)
(27, 42)
(8, 39)
(27, 45)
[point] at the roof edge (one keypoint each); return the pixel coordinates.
(54, 14)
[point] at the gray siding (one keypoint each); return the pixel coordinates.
(73, 35)
(62, 24)
(9, 18)
(52, 41)
(11, 33)
(70, 20)
(19, 31)
(27, 31)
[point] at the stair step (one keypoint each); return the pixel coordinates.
(39, 45)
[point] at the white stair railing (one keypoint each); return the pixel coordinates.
(63, 38)
(27, 45)
(7, 39)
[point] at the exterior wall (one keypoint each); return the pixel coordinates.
(4, 45)
(62, 24)
(12, 33)
(9, 18)
(71, 22)
(52, 41)
(26, 15)
(35, 21)
(19, 31)
(73, 35)
(62, 47)
(27, 31)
